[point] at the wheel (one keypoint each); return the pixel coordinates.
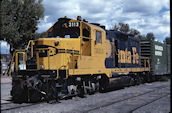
(19, 94)
(34, 96)
(80, 90)
(132, 82)
(138, 80)
(148, 77)
(153, 78)
(103, 84)
(49, 88)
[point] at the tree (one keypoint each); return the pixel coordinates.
(134, 32)
(40, 35)
(19, 21)
(167, 40)
(141, 37)
(116, 27)
(150, 36)
(121, 27)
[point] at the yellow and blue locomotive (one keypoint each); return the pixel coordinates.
(75, 58)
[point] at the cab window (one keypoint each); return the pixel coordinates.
(98, 37)
(65, 30)
(86, 32)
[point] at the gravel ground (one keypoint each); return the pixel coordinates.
(5, 92)
(160, 106)
(105, 102)
(5, 79)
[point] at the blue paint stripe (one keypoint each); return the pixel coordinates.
(56, 51)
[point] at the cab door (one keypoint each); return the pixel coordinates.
(98, 46)
(86, 40)
(99, 54)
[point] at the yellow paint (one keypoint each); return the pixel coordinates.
(45, 75)
(19, 75)
(125, 56)
(128, 57)
(135, 56)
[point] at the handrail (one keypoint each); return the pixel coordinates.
(86, 37)
(11, 65)
(30, 41)
(142, 57)
(21, 51)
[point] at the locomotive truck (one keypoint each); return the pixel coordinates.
(76, 58)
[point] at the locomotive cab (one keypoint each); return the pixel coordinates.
(69, 45)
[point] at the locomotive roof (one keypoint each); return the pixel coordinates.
(95, 26)
(69, 19)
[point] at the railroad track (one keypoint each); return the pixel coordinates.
(131, 97)
(11, 106)
(131, 111)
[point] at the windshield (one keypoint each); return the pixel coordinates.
(65, 29)
(66, 33)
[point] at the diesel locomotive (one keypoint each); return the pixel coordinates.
(76, 58)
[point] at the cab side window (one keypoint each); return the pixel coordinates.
(98, 37)
(86, 33)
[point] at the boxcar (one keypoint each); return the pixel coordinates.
(159, 55)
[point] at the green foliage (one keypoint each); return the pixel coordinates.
(125, 28)
(150, 36)
(121, 27)
(167, 40)
(134, 32)
(141, 37)
(19, 21)
(40, 35)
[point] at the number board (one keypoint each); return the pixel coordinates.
(73, 24)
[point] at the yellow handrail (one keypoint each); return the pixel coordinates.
(31, 42)
(11, 64)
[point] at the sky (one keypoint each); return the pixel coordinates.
(4, 47)
(143, 15)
